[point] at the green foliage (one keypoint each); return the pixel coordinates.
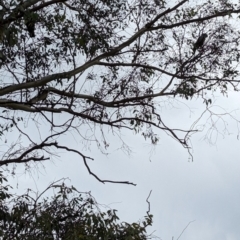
(108, 65)
(68, 214)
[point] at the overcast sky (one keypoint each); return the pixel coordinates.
(205, 190)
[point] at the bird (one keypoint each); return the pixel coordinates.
(31, 28)
(199, 43)
(30, 22)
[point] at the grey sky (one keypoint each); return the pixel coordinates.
(205, 190)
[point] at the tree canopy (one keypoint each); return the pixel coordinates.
(90, 67)
(68, 214)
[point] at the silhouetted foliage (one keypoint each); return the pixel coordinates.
(68, 214)
(93, 67)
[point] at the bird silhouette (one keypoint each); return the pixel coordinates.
(199, 43)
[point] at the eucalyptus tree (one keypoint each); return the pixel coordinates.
(67, 214)
(80, 67)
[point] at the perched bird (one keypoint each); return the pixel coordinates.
(31, 28)
(199, 43)
(30, 22)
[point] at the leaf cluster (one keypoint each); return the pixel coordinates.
(68, 214)
(105, 66)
